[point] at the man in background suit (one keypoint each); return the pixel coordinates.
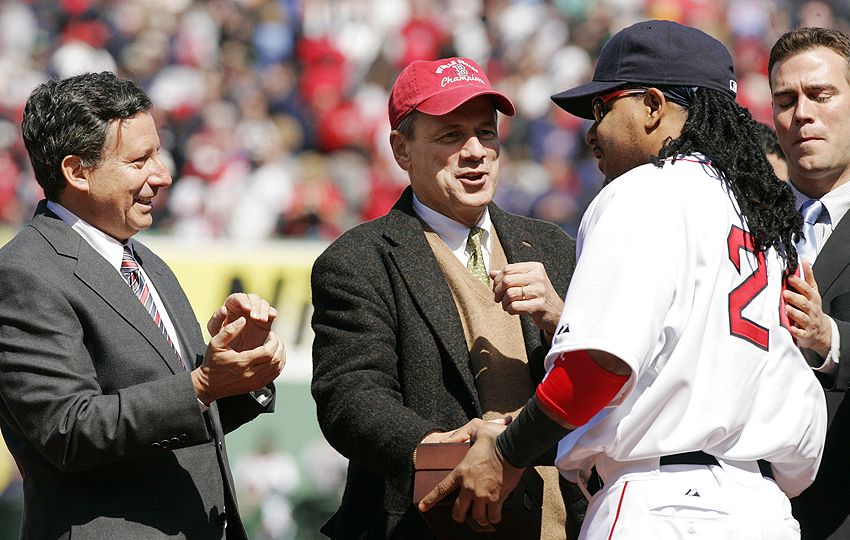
(810, 82)
(413, 338)
(112, 405)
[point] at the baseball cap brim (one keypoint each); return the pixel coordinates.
(449, 100)
(579, 100)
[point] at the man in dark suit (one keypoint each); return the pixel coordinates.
(419, 326)
(809, 80)
(112, 405)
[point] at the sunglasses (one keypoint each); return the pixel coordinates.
(600, 103)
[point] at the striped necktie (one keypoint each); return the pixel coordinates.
(132, 274)
(475, 264)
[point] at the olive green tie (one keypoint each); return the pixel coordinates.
(475, 264)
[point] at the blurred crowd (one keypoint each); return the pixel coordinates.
(273, 112)
(282, 497)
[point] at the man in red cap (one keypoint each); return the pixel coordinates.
(439, 312)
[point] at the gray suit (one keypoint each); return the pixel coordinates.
(823, 508)
(96, 409)
(390, 360)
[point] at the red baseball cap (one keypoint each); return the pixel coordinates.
(438, 87)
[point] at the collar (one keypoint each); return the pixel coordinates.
(836, 202)
(694, 157)
(109, 248)
(451, 232)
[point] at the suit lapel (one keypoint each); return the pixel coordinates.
(97, 274)
(427, 286)
(519, 247)
(832, 259)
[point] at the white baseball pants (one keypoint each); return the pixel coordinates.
(690, 502)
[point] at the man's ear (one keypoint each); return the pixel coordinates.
(656, 107)
(398, 142)
(75, 173)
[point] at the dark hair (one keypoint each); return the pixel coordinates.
(405, 126)
(804, 39)
(71, 117)
(769, 141)
(726, 133)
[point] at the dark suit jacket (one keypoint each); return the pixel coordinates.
(100, 417)
(390, 361)
(823, 508)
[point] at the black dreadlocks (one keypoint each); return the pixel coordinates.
(726, 133)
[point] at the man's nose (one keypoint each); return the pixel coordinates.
(161, 175)
(590, 137)
(473, 149)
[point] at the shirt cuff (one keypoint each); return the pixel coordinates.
(264, 394)
(830, 363)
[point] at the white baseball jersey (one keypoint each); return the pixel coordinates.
(668, 281)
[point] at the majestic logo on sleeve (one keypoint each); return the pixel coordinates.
(563, 329)
(463, 73)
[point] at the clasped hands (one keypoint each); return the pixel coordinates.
(485, 479)
(243, 354)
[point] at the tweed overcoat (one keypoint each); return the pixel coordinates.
(390, 360)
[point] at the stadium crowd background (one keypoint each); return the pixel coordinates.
(273, 114)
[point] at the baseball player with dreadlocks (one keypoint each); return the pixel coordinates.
(672, 371)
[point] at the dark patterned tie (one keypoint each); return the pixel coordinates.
(134, 278)
(475, 264)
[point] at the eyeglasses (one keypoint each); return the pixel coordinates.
(600, 103)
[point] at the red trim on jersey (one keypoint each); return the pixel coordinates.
(619, 507)
(690, 159)
(576, 388)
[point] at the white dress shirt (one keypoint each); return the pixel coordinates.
(455, 234)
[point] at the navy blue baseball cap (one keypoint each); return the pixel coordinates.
(654, 53)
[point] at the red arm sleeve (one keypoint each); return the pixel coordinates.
(577, 388)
